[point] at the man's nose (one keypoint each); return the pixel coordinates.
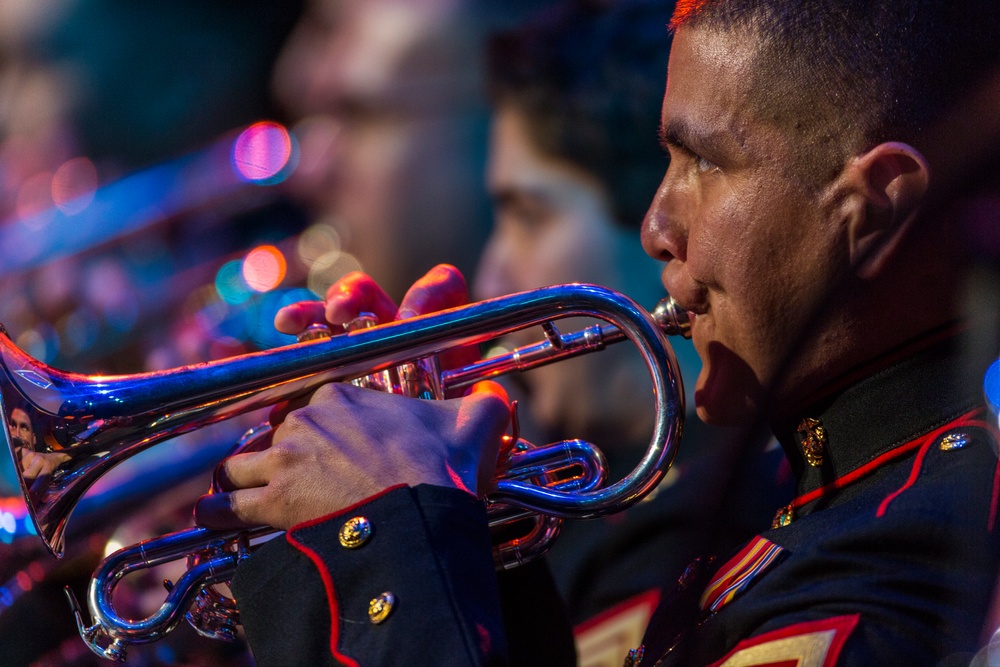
(494, 270)
(664, 237)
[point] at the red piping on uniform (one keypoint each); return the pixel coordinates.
(324, 573)
(968, 419)
(911, 480)
(874, 464)
(855, 474)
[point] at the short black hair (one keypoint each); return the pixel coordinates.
(850, 74)
(589, 78)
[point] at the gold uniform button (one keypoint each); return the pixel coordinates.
(355, 532)
(380, 607)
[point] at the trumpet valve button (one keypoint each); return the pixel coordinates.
(380, 607)
(315, 331)
(355, 532)
(364, 320)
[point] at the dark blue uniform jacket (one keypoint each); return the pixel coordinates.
(887, 555)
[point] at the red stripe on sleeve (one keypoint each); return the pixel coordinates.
(324, 572)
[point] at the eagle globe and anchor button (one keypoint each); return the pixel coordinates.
(355, 532)
(813, 439)
(380, 607)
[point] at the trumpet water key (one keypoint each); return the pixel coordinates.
(88, 424)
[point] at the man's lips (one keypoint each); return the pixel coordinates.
(686, 293)
(693, 308)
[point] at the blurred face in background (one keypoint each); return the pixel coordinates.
(392, 126)
(553, 224)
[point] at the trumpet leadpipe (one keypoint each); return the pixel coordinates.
(557, 347)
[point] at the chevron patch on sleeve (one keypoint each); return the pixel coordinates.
(809, 644)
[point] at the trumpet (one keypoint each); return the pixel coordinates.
(95, 422)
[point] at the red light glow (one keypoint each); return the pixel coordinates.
(264, 268)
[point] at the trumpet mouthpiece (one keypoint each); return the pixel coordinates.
(672, 318)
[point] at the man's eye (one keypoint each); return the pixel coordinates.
(527, 214)
(705, 166)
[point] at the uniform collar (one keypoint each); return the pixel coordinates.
(914, 389)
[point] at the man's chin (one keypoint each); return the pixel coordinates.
(725, 415)
(727, 399)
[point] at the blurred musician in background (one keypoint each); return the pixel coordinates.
(571, 170)
(807, 250)
(392, 122)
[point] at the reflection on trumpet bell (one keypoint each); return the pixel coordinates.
(97, 422)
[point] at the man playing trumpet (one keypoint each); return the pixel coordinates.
(801, 227)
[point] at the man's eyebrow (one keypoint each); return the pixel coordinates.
(517, 189)
(675, 133)
(680, 134)
(507, 195)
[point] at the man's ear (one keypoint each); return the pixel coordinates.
(892, 179)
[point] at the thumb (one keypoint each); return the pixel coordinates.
(491, 404)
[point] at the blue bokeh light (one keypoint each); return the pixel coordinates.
(230, 284)
(991, 385)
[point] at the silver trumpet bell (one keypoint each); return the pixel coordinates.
(85, 425)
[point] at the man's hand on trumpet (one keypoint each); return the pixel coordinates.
(440, 288)
(344, 444)
(37, 464)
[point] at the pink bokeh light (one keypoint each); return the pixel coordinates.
(262, 151)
